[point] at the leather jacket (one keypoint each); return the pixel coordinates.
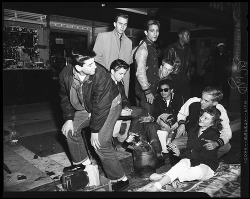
(98, 93)
(180, 55)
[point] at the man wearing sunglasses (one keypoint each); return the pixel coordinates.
(165, 105)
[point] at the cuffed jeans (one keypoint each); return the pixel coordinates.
(106, 152)
(136, 114)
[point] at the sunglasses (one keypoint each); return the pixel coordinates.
(165, 89)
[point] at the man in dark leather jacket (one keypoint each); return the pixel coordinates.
(89, 97)
(118, 69)
(180, 53)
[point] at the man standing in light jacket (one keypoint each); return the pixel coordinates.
(113, 45)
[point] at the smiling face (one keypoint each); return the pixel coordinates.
(121, 25)
(152, 33)
(88, 68)
(167, 69)
(207, 101)
(206, 120)
(119, 74)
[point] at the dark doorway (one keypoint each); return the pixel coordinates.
(61, 44)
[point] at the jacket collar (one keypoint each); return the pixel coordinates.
(117, 35)
(150, 43)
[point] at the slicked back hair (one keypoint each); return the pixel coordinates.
(214, 91)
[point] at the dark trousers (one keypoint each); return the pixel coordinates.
(181, 85)
(150, 135)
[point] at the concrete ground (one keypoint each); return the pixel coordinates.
(35, 162)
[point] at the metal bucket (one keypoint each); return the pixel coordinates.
(144, 161)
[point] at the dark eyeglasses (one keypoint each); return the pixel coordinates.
(165, 89)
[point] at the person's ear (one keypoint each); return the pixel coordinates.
(112, 71)
(115, 24)
(145, 32)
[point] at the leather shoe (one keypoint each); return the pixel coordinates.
(73, 168)
(120, 185)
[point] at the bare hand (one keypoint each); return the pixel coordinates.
(67, 127)
(180, 130)
(210, 145)
(150, 98)
(175, 149)
(95, 141)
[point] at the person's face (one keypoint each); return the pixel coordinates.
(164, 93)
(88, 68)
(119, 74)
(185, 37)
(167, 69)
(221, 49)
(206, 120)
(121, 25)
(152, 33)
(206, 101)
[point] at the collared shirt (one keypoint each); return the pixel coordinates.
(76, 92)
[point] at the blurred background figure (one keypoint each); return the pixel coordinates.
(222, 69)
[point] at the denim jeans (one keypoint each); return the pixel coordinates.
(136, 114)
(142, 102)
(110, 162)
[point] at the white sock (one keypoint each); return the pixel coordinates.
(86, 162)
(125, 179)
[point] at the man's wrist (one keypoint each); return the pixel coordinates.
(181, 122)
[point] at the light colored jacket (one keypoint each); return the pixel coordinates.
(108, 48)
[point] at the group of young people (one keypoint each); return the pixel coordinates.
(94, 90)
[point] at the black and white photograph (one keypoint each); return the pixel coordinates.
(111, 97)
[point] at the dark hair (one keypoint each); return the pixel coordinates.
(216, 117)
(168, 61)
(166, 81)
(80, 56)
(151, 22)
(182, 29)
(125, 16)
(117, 64)
(215, 92)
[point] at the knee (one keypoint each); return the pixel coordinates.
(74, 137)
(185, 162)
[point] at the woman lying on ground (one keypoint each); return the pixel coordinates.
(197, 163)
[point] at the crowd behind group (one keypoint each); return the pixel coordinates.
(94, 91)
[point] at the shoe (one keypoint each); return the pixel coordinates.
(120, 185)
(73, 168)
